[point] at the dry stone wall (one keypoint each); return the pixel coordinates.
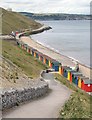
(15, 97)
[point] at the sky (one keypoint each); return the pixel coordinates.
(48, 6)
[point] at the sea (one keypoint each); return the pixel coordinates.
(68, 37)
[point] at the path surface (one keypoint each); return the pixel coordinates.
(46, 107)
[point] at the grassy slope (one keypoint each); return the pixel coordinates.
(31, 66)
(78, 106)
(12, 21)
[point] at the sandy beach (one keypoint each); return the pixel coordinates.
(61, 58)
(66, 61)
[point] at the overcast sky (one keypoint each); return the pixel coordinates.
(48, 6)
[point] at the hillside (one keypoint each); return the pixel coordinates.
(30, 65)
(56, 16)
(12, 21)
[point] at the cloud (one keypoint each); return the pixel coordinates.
(48, 6)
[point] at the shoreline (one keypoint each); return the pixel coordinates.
(55, 50)
(65, 60)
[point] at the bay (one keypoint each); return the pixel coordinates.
(70, 38)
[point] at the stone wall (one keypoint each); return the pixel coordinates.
(15, 97)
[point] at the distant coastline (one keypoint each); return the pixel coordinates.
(56, 16)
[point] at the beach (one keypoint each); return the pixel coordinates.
(64, 60)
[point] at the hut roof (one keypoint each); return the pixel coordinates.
(34, 49)
(77, 73)
(83, 77)
(65, 67)
(55, 62)
(87, 81)
(68, 68)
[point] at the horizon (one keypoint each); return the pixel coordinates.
(48, 6)
(44, 13)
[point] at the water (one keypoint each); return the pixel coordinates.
(71, 38)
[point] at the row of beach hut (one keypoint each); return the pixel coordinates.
(72, 76)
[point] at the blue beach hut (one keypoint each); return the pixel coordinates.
(55, 65)
(75, 77)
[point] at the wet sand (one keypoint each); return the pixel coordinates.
(45, 107)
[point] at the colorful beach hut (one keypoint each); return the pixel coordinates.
(65, 71)
(75, 77)
(47, 60)
(80, 79)
(41, 57)
(60, 69)
(71, 75)
(25, 47)
(28, 49)
(33, 52)
(55, 65)
(22, 46)
(44, 61)
(50, 63)
(37, 54)
(86, 85)
(20, 43)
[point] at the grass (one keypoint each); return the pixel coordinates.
(30, 65)
(12, 21)
(79, 104)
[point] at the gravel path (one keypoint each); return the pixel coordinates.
(45, 107)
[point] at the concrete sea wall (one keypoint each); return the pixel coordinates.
(85, 70)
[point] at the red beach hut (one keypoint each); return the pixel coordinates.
(86, 85)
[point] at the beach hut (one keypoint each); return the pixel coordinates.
(28, 49)
(25, 47)
(37, 54)
(33, 50)
(86, 85)
(40, 56)
(50, 65)
(34, 53)
(55, 65)
(80, 79)
(65, 71)
(69, 73)
(44, 60)
(22, 46)
(47, 60)
(75, 77)
(60, 69)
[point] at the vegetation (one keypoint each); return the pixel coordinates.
(30, 65)
(12, 21)
(57, 16)
(78, 106)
